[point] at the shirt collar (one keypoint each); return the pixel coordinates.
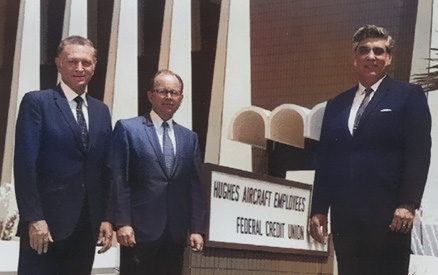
(375, 86)
(71, 95)
(158, 121)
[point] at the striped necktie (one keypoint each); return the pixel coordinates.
(362, 108)
(82, 124)
(169, 155)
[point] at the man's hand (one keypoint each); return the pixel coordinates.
(318, 228)
(105, 237)
(402, 220)
(39, 236)
(125, 236)
(196, 242)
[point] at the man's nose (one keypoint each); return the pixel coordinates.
(371, 55)
(79, 66)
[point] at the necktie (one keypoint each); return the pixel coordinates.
(81, 122)
(169, 156)
(362, 108)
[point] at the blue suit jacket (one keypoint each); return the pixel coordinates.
(385, 163)
(146, 196)
(52, 174)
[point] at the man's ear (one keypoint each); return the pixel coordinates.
(150, 94)
(389, 59)
(354, 59)
(57, 62)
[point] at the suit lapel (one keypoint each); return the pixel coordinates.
(62, 104)
(346, 112)
(379, 95)
(179, 140)
(153, 139)
(93, 121)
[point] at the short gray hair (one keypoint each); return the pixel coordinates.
(168, 72)
(373, 31)
(76, 40)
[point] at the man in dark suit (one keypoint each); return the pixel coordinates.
(372, 164)
(158, 202)
(60, 151)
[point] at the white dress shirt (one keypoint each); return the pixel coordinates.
(157, 121)
(358, 98)
(71, 95)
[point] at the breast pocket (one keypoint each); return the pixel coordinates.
(385, 127)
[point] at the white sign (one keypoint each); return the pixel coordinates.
(259, 213)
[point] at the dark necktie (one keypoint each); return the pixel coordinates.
(81, 122)
(362, 108)
(169, 156)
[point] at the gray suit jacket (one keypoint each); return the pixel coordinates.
(145, 195)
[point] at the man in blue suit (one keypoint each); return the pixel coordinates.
(373, 160)
(158, 199)
(60, 151)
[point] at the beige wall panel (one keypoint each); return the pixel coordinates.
(121, 87)
(231, 89)
(25, 78)
(75, 18)
(176, 52)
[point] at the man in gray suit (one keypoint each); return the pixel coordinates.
(158, 201)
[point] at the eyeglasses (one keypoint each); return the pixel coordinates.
(172, 93)
(364, 50)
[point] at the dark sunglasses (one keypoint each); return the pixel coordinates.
(364, 50)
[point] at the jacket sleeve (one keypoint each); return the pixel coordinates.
(197, 202)
(321, 187)
(416, 147)
(27, 146)
(106, 172)
(119, 164)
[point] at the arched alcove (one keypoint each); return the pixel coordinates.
(249, 126)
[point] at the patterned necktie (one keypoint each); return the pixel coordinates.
(81, 122)
(362, 108)
(169, 155)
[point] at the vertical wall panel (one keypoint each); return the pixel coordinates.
(231, 89)
(9, 14)
(25, 78)
(176, 49)
(26, 73)
(75, 18)
(121, 90)
(203, 58)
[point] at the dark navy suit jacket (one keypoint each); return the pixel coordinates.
(146, 196)
(53, 175)
(385, 163)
